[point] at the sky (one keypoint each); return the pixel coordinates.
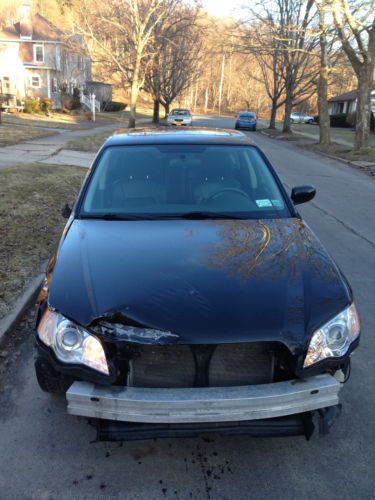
(222, 7)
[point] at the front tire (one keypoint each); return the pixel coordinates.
(48, 379)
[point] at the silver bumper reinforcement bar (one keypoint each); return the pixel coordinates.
(211, 404)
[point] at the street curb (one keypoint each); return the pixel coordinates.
(327, 155)
(8, 323)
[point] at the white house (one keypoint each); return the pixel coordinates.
(347, 103)
(37, 59)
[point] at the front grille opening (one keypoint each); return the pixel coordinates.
(240, 364)
(162, 366)
(180, 366)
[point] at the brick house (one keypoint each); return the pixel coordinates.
(37, 59)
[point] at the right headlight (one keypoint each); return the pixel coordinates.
(333, 339)
(71, 343)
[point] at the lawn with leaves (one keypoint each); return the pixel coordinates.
(31, 199)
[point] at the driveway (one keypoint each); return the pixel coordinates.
(48, 454)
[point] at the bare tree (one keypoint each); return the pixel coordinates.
(284, 46)
(265, 45)
(324, 121)
(122, 33)
(170, 53)
(180, 63)
(297, 45)
(355, 26)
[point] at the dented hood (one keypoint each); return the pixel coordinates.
(199, 282)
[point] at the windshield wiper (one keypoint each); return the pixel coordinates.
(114, 216)
(201, 215)
(198, 215)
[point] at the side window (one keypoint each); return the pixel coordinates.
(39, 53)
(35, 81)
(6, 85)
(54, 85)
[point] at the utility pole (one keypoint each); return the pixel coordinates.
(221, 82)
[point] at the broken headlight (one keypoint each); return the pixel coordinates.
(71, 343)
(333, 339)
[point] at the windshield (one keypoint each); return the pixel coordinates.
(247, 115)
(180, 112)
(182, 180)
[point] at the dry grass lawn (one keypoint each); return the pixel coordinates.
(13, 134)
(31, 198)
(363, 160)
(75, 121)
(56, 120)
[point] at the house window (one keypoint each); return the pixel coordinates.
(39, 53)
(6, 85)
(35, 82)
(54, 85)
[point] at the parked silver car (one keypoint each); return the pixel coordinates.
(179, 117)
(301, 118)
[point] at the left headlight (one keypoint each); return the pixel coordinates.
(71, 343)
(333, 339)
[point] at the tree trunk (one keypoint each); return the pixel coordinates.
(221, 82)
(288, 110)
(166, 107)
(206, 100)
(272, 124)
(134, 92)
(156, 115)
(324, 122)
(363, 114)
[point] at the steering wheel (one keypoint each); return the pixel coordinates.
(216, 195)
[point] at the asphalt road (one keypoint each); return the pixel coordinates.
(44, 453)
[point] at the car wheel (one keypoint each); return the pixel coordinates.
(310, 122)
(48, 379)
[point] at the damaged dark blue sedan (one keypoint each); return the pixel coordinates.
(187, 295)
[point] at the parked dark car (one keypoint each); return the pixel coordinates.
(187, 295)
(246, 120)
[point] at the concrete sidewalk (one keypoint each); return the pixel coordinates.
(51, 149)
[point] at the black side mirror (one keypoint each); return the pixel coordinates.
(302, 194)
(66, 211)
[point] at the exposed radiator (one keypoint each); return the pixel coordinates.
(222, 366)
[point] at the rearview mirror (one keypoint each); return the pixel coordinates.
(302, 194)
(66, 211)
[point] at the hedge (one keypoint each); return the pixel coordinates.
(339, 120)
(114, 106)
(31, 106)
(347, 120)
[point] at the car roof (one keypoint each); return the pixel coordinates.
(167, 136)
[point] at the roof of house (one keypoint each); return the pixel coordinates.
(42, 30)
(346, 96)
(94, 82)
